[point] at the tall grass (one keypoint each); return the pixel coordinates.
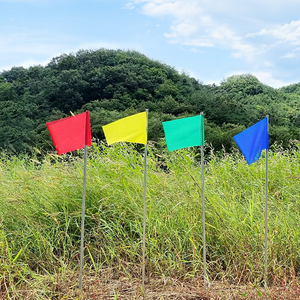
(40, 214)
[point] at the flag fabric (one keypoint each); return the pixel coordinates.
(186, 132)
(253, 140)
(130, 129)
(71, 133)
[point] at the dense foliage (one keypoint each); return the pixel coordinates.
(113, 83)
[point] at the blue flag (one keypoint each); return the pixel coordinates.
(253, 140)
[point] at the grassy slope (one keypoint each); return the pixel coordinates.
(40, 210)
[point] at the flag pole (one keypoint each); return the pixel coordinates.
(203, 201)
(144, 214)
(266, 215)
(83, 211)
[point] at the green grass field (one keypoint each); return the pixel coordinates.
(40, 216)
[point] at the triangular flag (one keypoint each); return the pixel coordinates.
(186, 132)
(71, 133)
(130, 129)
(253, 140)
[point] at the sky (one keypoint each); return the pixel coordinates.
(209, 40)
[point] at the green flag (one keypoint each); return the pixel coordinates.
(186, 132)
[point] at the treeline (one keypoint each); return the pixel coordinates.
(112, 84)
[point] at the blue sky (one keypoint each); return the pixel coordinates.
(209, 40)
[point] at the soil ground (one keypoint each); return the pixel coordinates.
(109, 286)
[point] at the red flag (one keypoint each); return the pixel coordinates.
(71, 133)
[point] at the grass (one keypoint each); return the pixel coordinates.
(40, 215)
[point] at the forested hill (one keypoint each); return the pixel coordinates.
(112, 84)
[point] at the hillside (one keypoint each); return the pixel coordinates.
(113, 83)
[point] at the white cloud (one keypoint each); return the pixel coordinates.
(268, 79)
(201, 42)
(184, 30)
(192, 23)
(289, 55)
(287, 33)
(129, 5)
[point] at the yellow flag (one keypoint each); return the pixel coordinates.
(130, 129)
